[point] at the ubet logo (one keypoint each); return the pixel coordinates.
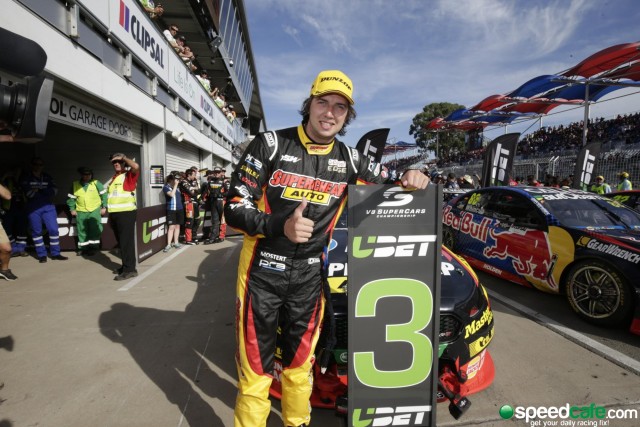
(385, 416)
(392, 246)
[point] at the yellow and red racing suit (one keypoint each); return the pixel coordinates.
(280, 282)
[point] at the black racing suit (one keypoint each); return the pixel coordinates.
(216, 191)
(279, 280)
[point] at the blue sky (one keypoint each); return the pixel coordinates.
(405, 54)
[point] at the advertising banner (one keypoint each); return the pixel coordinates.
(394, 301)
(372, 144)
(498, 160)
(136, 31)
(151, 230)
(585, 165)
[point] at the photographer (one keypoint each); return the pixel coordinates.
(175, 213)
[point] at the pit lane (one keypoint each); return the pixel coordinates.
(88, 353)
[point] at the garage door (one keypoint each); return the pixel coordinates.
(181, 155)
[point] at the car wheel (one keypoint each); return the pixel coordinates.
(448, 238)
(599, 293)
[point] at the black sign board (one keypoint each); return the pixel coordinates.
(394, 301)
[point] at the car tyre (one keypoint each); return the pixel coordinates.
(448, 238)
(599, 293)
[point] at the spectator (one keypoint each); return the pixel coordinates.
(232, 111)
(437, 177)
(170, 34)
(5, 245)
(87, 203)
(623, 182)
(14, 219)
(219, 100)
(154, 11)
(188, 58)
(600, 187)
(121, 203)
(467, 182)
(39, 190)
(203, 78)
(451, 183)
(189, 189)
(175, 212)
(532, 181)
(180, 41)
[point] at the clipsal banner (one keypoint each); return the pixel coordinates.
(394, 294)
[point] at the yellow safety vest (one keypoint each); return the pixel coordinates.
(599, 189)
(118, 199)
(89, 200)
(622, 183)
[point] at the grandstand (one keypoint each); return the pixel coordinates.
(620, 138)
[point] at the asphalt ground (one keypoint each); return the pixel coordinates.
(80, 349)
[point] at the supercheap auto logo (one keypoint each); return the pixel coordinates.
(315, 190)
(567, 415)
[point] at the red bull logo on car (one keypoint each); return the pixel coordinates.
(526, 252)
(466, 224)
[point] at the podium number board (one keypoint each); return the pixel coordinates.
(394, 301)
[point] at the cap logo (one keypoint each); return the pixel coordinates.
(337, 79)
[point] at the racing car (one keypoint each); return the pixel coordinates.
(466, 329)
(560, 241)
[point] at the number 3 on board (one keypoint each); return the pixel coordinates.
(422, 356)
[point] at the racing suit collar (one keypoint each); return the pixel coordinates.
(313, 147)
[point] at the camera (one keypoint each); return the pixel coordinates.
(24, 107)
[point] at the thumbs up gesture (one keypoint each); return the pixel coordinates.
(297, 228)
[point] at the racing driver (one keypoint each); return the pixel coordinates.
(285, 195)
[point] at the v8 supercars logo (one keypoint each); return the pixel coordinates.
(395, 205)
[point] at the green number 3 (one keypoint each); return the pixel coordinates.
(422, 360)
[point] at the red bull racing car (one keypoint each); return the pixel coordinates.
(466, 329)
(556, 240)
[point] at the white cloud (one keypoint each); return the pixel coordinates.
(403, 55)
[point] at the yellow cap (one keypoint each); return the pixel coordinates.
(624, 175)
(600, 177)
(333, 81)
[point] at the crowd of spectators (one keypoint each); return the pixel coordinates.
(179, 44)
(555, 140)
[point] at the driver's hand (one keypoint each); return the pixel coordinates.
(414, 179)
(297, 228)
